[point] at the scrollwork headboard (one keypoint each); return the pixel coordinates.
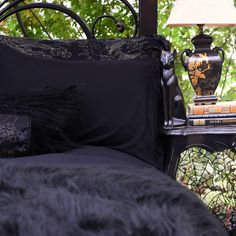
(145, 20)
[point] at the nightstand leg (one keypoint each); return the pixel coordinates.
(174, 146)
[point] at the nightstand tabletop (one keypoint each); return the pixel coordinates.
(204, 130)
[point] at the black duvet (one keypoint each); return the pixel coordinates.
(71, 194)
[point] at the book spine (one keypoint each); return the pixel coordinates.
(211, 116)
(212, 109)
(209, 122)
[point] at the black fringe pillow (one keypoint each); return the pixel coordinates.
(53, 111)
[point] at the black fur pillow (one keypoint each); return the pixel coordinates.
(53, 111)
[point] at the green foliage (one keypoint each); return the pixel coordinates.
(62, 27)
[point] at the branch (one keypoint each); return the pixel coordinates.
(21, 24)
(227, 71)
(228, 37)
(41, 24)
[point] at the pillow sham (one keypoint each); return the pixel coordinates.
(15, 134)
(120, 99)
(52, 110)
(144, 47)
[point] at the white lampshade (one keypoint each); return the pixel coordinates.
(203, 12)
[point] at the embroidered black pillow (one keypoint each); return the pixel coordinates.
(145, 47)
(53, 111)
(15, 134)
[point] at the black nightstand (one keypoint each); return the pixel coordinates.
(204, 159)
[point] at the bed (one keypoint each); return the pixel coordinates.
(80, 122)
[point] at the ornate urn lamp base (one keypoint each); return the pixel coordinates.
(204, 66)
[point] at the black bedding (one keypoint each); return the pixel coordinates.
(96, 191)
(85, 155)
(120, 99)
(115, 189)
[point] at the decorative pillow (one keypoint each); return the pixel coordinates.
(15, 133)
(53, 111)
(93, 49)
(120, 99)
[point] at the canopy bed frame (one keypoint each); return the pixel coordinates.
(145, 22)
(91, 52)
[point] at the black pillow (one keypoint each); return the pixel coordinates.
(53, 111)
(120, 99)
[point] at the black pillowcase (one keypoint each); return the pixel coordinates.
(53, 111)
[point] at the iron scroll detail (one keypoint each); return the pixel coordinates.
(6, 12)
(118, 23)
(15, 7)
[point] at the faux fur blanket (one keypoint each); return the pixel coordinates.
(113, 201)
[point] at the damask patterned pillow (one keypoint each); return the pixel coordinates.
(15, 134)
(95, 49)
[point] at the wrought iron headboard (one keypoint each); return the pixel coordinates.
(145, 21)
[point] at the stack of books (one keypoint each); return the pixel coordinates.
(222, 113)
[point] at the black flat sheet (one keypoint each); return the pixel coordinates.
(85, 155)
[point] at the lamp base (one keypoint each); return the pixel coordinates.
(204, 66)
(205, 100)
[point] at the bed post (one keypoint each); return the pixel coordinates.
(147, 17)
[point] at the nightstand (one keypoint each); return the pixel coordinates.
(204, 160)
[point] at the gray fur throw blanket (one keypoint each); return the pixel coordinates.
(98, 201)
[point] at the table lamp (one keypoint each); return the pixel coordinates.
(204, 65)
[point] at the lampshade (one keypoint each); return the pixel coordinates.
(203, 12)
